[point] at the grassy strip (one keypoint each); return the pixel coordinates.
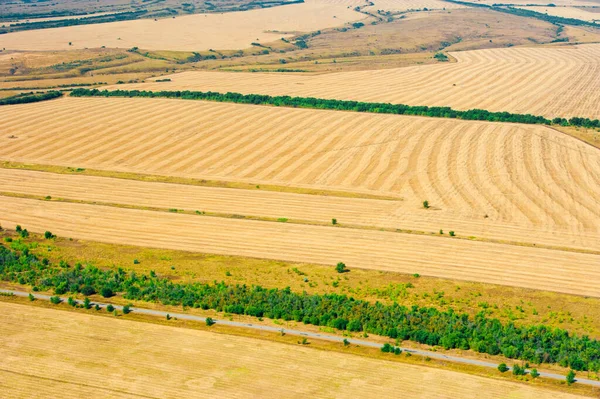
(532, 343)
(30, 98)
(190, 181)
(298, 221)
(313, 344)
(343, 105)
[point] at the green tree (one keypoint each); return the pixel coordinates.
(88, 290)
(110, 308)
(334, 221)
(426, 204)
(210, 321)
(87, 303)
(451, 233)
(341, 267)
(570, 377)
(31, 297)
(72, 301)
(97, 307)
(127, 309)
(534, 373)
(503, 367)
(48, 235)
(346, 342)
(55, 300)
(107, 292)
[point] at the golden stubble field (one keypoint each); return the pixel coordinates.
(523, 175)
(191, 32)
(51, 353)
(549, 81)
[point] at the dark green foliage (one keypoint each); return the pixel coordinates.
(346, 342)
(341, 267)
(570, 377)
(30, 98)
(341, 105)
(110, 308)
(431, 326)
(168, 316)
(48, 235)
(334, 221)
(106, 292)
(210, 321)
(441, 57)
(388, 348)
(426, 204)
(97, 307)
(31, 297)
(452, 234)
(18, 229)
(503, 367)
(136, 262)
(518, 370)
(55, 300)
(534, 373)
(87, 303)
(24, 233)
(72, 301)
(88, 290)
(127, 309)
(8, 239)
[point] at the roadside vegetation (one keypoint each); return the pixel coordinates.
(30, 97)
(343, 105)
(427, 325)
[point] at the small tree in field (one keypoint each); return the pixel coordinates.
(502, 367)
(426, 204)
(110, 308)
(31, 297)
(570, 377)
(48, 235)
(87, 303)
(210, 321)
(534, 373)
(334, 221)
(126, 309)
(341, 267)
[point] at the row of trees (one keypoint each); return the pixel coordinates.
(340, 105)
(30, 97)
(538, 344)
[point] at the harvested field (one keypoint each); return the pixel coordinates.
(50, 353)
(566, 12)
(522, 175)
(190, 32)
(526, 267)
(549, 81)
(296, 207)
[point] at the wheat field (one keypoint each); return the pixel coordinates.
(517, 266)
(566, 12)
(549, 81)
(53, 353)
(190, 32)
(529, 176)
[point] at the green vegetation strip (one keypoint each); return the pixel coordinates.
(538, 344)
(190, 181)
(297, 221)
(30, 98)
(343, 105)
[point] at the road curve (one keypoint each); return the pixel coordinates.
(306, 334)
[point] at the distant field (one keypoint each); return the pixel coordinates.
(192, 32)
(525, 175)
(551, 81)
(567, 12)
(526, 267)
(51, 353)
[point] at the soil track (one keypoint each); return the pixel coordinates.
(536, 268)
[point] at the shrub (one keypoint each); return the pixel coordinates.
(110, 308)
(31, 297)
(334, 221)
(441, 231)
(97, 307)
(18, 228)
(426, 204)
(341, 267)
(107, 292)
(127, 309)
(8, 239)
(86, 303)
(346, 342)
(387, 348)
(518, 370)
(570, 377)
(72, 301)
(48, 235)
(24, 233)
(136, 262)
(168, 316)
(502, 367)
(210, 321)
(451, 233)
(88, 290)
(282, 220)
(534, 373)
(55, 300)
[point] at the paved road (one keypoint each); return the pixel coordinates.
(306, 334)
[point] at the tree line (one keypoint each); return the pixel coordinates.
(30, 97)
(533, 343)
(342, 105)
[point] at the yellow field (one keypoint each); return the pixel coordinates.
(528, 176)
(315, 209)
(52, 353)
(527, 267)
(567, 12)
(549, 81)
(196, 32)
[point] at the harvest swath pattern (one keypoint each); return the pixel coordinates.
(526, 175)
(200, 364)
(553, 82)
(526, 267)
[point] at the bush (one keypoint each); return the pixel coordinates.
(570, 377)
(210, 321)
(86, 303)
(8, 239)
(55, 300)
(426, 204)
(24, 233)
(72, 301)
(451, 233)
(387, 348)
(18, 229)
(107, 292)
(97, 307)
(346, 342)
(518, 370)
(88, 290)
(502, 367)
(127, 309)
(110, 308)
(341, 267)
(334, 221)
(136, 262)
(534, 373)
(31, 297)
(48, 235)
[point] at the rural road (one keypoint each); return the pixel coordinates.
(306, 334)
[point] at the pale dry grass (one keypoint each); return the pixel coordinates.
(233, 30)
(530, 177)
(551, 81)
(53, 353)
(526, 267)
